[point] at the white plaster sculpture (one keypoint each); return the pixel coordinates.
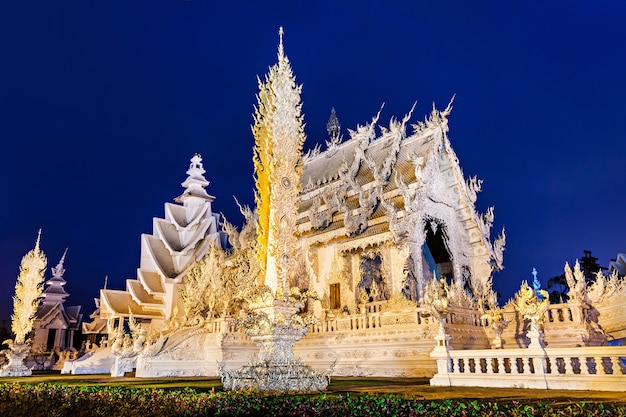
(28, 291)
(532, 304)
(273, 323)
(436, 301)
(494, 315)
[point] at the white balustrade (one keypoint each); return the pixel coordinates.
(551, 368)
(374, 316)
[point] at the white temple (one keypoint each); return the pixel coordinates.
(386, 233)
(383, 213)
(56, 324)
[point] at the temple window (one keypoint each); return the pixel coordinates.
(335, 296)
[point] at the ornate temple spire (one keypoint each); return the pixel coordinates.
(59, 270)
(333, 127)
(36, 250)
(195, 184)
(28, 292)
(334, 130)
(54, 292)
(279, 136)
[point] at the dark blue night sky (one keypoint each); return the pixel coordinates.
(102, 103)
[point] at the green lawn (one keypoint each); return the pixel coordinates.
(106, 397)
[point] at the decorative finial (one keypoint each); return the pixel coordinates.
(37, 242)
(281, 52)
(63, 257)
(333, 126)
(537, 285)
(195, 161)
(58, 270)
(334, 130)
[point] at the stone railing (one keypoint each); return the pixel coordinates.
(600, 368)
(375, 316)
(555, 314)
(220, 325)
(560, 313)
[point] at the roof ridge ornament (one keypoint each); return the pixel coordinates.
(333, 127)
(195, 184)
(58, 270)
(446, 112)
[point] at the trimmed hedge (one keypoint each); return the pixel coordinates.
(59, 400)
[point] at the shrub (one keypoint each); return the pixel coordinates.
(59, 400)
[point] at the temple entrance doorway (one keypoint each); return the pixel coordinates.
(436, 256)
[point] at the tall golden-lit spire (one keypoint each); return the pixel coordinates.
(28, 291)
(279, 135)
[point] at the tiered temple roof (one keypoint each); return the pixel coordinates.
(365, 187)
(52, 314)
(176, 242)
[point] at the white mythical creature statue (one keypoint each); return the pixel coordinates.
(576, 282)
(604, 288)
(127, 345)
(115, 335)
(494, 315)
(532, 303)
(435, 300)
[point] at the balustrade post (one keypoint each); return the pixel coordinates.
(569, 369)
(442, 355)
(540, 365)
(527, 366)
(455, 366)
(514, 368)
(489, 361)
(599, 365)
(615, 364)
(584, 365)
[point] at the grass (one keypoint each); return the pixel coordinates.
(87, 395)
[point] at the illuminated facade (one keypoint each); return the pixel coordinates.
(382, 227)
